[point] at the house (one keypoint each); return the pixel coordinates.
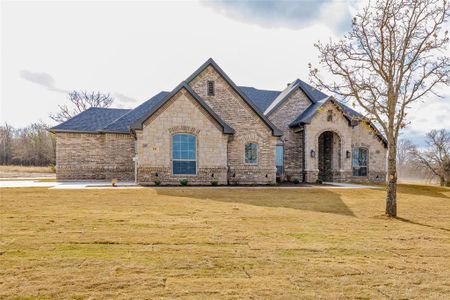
(208, 129)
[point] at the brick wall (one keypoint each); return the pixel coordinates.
(248, 126)
(83, 156)
(282, 116)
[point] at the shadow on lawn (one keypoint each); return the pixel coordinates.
(421, 224)
(319, 200)
(424, 190)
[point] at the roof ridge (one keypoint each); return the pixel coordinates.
(260, 114)
(252, 87)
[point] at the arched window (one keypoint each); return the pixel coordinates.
(184, 154)
(359, 161)
(251, 153)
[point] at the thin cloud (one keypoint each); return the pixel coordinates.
(43, 79)
(123, 98)
(287, 14)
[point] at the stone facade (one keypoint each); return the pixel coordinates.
(248, 126)
(282, 116)
(182, 114)
(309, 149)
(82, 156)
(349, 137)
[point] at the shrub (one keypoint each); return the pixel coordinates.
(52, 168)
(157, 181)
(214, 182)
(319, 181)
(296, 181)
(184, 182)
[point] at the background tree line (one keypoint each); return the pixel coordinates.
(429, 163)
(34, 145)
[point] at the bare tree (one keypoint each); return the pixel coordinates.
(394, 55)
(436, 157)
(405, 149)
(81, 101)
(6, 137)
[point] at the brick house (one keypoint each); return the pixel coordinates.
(209, 129)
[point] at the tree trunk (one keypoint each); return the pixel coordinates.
(391, 197)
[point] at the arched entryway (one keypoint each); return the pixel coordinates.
(329, 160)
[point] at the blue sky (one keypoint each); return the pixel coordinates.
(133, 50)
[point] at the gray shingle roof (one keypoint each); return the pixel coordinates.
(122, 124)
(261, 98)
(91, 120)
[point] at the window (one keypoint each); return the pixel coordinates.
(210, 88)
(184, 154)
(330, 116)
(251, 153)
(359, 162)
(279, 159)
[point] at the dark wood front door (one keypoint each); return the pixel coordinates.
(326, 156)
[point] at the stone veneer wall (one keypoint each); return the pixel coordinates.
(248, 126)
(181, 114)
(282, 116)
(349, 137)
(88, 156)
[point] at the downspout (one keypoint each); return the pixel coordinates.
(135, 157)
(304, 154)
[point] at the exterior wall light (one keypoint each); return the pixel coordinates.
(313, 153)
(347, 154)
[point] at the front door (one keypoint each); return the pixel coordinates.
(326, 156)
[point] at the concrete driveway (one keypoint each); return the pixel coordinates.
(40, 182)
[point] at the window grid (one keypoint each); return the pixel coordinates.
(184, 158)
(359, 162)
(251, 153)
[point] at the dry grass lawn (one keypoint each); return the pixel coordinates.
(224, 243)
(25, 171)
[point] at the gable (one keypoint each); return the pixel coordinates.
(230, 101)
(184, 88)
(311, 93)
(182, 110)
(316, 115)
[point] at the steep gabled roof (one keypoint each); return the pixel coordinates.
(122, 124)
(313, 95)
(306, 116)
(90, 120)
(351, 115)
(139, 123)
(211, 62)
